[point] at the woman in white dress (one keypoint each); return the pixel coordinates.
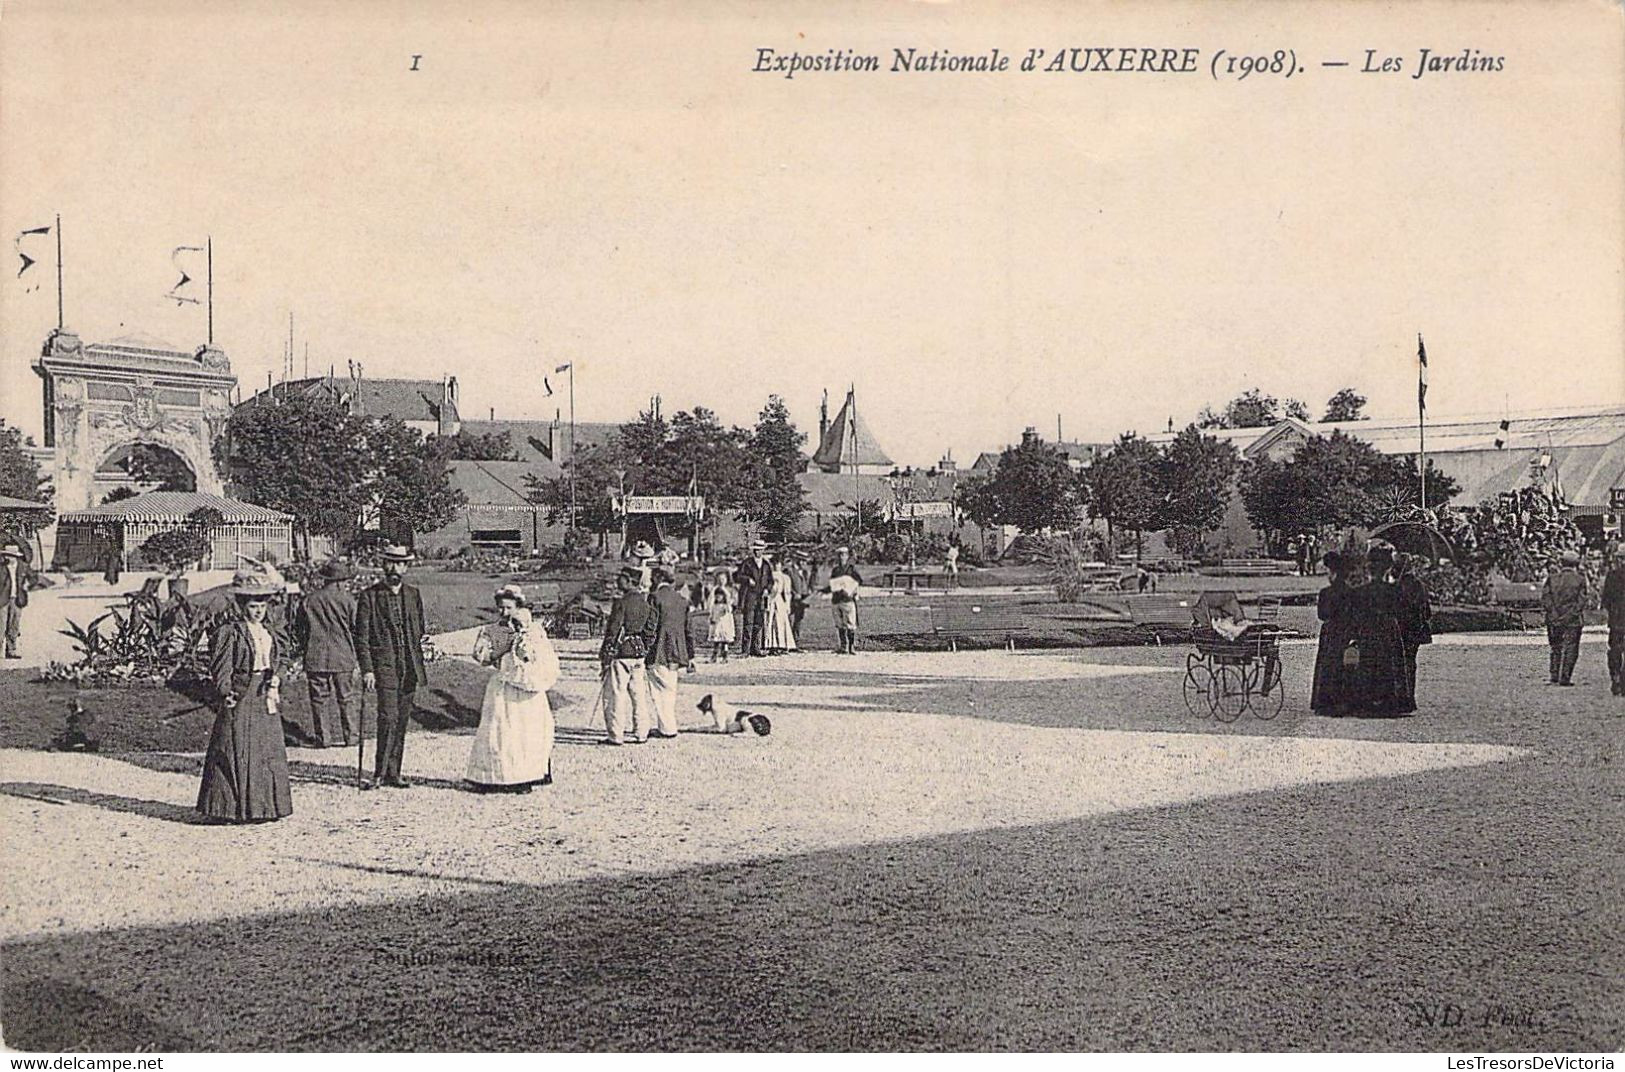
(513, 750)
(781, 635)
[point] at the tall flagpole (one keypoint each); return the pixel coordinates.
(59, 272)
(1421, 417)
(209, 244)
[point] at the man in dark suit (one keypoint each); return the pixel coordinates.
(754, 579)
(672, 652)
(326, 630)
(389, 635)
(15, 580)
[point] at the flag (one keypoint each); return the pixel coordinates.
(1501, 439)
(562, 368)
(175, 291)
(1422, 375)
(28, 262)
(548, 387)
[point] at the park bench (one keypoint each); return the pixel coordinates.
(962, 619)
(1250, 567)
(915, 578)
(1519, 597)
(1159, 612)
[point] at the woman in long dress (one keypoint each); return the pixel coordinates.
(1375, 673)
(513, 749)
(1327, 694)
(245, 771)
(781, 636)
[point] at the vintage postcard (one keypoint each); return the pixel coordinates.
(772, 527)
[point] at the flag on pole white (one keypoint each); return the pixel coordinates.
(28, 262)
(562, 368)
(175, 294)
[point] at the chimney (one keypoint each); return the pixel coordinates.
(450, 423)
(555, 443)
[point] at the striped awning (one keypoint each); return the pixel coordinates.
(175, 506)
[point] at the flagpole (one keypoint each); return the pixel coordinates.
(1421, 420)
(59, 272)
(209, 245)
(573, 445)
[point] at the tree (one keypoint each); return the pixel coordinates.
(119, 494)
(1251, 409)
(777, 500)
(1032, 488)
(595, 470)
(182, 548)
(1335, 481)
(305, 455)
(20, 479)
(477, 447)
(1196, 473)
(1124, 486)
(1345, 405)
(407, 488)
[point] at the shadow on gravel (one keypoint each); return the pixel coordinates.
(1330, 917)
(62, 794)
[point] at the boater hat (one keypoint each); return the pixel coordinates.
(395, 553)
(11, 550)
(335, 571)
(510, 591)
(641, 549)
(1571, 557)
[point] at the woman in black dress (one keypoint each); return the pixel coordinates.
(1373, 659)
(1415, 620)
(245, 772)
(1327, 694)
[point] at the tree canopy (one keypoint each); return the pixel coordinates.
(1197, 472)
(1252, 409)
(1032, 488)
(1125, 487)
(20, 478)
(1346, 405)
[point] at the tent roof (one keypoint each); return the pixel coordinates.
(848, 440)
(174, 506)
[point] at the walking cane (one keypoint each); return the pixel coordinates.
(361, 743)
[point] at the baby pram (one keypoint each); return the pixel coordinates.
(1236, 664)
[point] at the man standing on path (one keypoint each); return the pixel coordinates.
(326, 630)
(15, 580)
(389, 636)
(754, 579)
(844, 582)
(1564, 599)
(628, 638)
(800, 570)
(950, 562)
(671, 653)
(1613, 602)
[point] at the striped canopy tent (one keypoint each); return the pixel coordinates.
(84, 536)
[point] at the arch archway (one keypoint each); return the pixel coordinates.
(143, 466)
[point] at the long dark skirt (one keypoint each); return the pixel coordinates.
(1327, 692)
(245, 773)
(1377, 686)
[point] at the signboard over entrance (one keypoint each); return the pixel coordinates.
(688, 505)
(1616, 500)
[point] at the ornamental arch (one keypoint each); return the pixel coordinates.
(103, 399)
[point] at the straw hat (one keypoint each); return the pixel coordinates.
(1571, 557)
(510, 591)
(260, 581)
(641, 549)
(11, 550)
(396, 553)
(335, 571)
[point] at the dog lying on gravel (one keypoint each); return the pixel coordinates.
(726, 718)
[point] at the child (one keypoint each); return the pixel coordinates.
(721, 615)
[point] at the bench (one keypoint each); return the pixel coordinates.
(1164, 611)
(963, 619)
(1250, 567)
(920, 578)
(1519, 597)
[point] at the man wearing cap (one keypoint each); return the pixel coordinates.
(1564, 600)
(628, 638)
(1613, 603)
(389, 635)
(844, 582)
(15, 580)
(671, 653)
(800, 570)
(326, 629)
(754, 579)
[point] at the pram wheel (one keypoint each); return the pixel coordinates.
(1230, 692)
(1198, 688)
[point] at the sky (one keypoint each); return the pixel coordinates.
(614, 186)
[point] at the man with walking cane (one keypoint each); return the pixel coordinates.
(389, 636)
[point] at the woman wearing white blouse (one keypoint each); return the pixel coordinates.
(513, 749)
